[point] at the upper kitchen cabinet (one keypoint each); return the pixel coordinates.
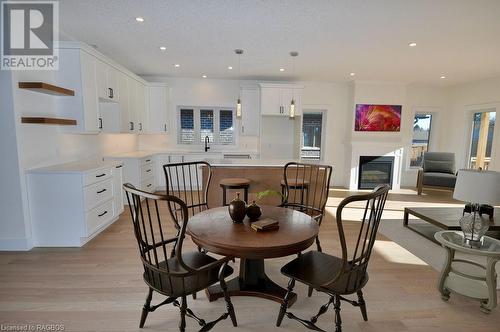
(138, 106)
(157, 108)
(77, 71)
(106, 82)
(126, 120)
(250, 111)
(275, 99)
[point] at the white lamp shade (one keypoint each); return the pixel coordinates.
(482, 187)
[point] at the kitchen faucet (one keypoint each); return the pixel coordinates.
(207, 140)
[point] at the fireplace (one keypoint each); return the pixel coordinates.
(375, 170)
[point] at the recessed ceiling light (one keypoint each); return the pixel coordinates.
(412, 44)
(443, 77)
(352, 74)
(282, 69)
(139, 19)
(163, 48)
(177, 65)
(204, 76)
(229, 67)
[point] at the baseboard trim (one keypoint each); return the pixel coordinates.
(20, 244)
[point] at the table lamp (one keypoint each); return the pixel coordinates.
(476, 188)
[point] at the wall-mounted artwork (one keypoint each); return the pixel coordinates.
(377, 117)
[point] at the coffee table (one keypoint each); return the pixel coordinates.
(442, 218)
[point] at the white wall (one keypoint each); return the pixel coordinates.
(465, 100)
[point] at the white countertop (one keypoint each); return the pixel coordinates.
(149, 153)
(81, 166)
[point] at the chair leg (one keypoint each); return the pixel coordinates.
(229, 304)
(183, 307)
(318, 244)
(145, 309)
(362, 305)
(309, 291)
(338, 320)
(284, 305)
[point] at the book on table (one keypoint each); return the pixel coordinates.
(265, 225)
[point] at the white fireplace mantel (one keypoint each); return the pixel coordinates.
(370, 148)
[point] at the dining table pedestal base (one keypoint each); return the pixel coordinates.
(252, 281)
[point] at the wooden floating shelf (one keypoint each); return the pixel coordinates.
(46, 88)
(47, 120)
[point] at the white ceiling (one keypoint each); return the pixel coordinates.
(456, 38)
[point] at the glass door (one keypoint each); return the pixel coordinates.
(483, 125)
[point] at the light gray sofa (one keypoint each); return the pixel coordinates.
(438, 171)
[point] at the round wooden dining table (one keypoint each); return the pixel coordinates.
(214, 231)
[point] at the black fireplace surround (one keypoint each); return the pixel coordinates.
(375, 170)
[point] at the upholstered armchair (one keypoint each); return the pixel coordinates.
(438, 171)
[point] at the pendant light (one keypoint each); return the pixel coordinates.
(292, 103)
(238, 103)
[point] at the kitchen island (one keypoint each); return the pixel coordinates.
(263, 175)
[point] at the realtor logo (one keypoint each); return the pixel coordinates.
(29, 35)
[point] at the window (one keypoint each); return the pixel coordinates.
(196, 123)
(483, 126)
(312, 128)
(421, 136)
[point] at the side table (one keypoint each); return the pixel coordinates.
(480, 284)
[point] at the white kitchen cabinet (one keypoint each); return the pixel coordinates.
(157, 108)
(140, 171)
(106, 81)
(72, 203)
(126, 121)
(275, 99)
(77, 71)
(139, 106)
(250, 111)
(118, 192)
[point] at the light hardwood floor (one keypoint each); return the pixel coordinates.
(99, 287)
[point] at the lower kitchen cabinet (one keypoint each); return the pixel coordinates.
(72, 203)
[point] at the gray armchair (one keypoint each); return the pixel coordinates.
(438, 171)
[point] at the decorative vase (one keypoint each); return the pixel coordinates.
(237, 209)
(474, 226)
(254, 211)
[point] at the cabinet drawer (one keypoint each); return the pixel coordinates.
(147, 171)
(148, 185)
(98, 193)
(96, 176)
(146, 161)
(98, 216)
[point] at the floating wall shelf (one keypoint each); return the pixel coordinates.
(46, 88)
(47, 120)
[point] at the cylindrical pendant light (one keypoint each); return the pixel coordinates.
(238, 102)
(292, 103)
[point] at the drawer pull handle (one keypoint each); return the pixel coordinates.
(149, 185)
(100, 215)
(119, 166)
(149, 170)
(101, 191)
(148, 160)
(100, 175)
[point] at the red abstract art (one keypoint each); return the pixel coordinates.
(377, 117)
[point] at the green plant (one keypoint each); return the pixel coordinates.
(269, 192)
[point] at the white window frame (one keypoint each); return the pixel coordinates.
(323, 113)
(197, 124)
(429, 140)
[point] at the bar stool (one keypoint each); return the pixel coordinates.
(234, 183)
(296, 184)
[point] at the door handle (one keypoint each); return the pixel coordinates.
(100, 123)
(131, 125)
(110, 93)
(165, 127)
(140, 126)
